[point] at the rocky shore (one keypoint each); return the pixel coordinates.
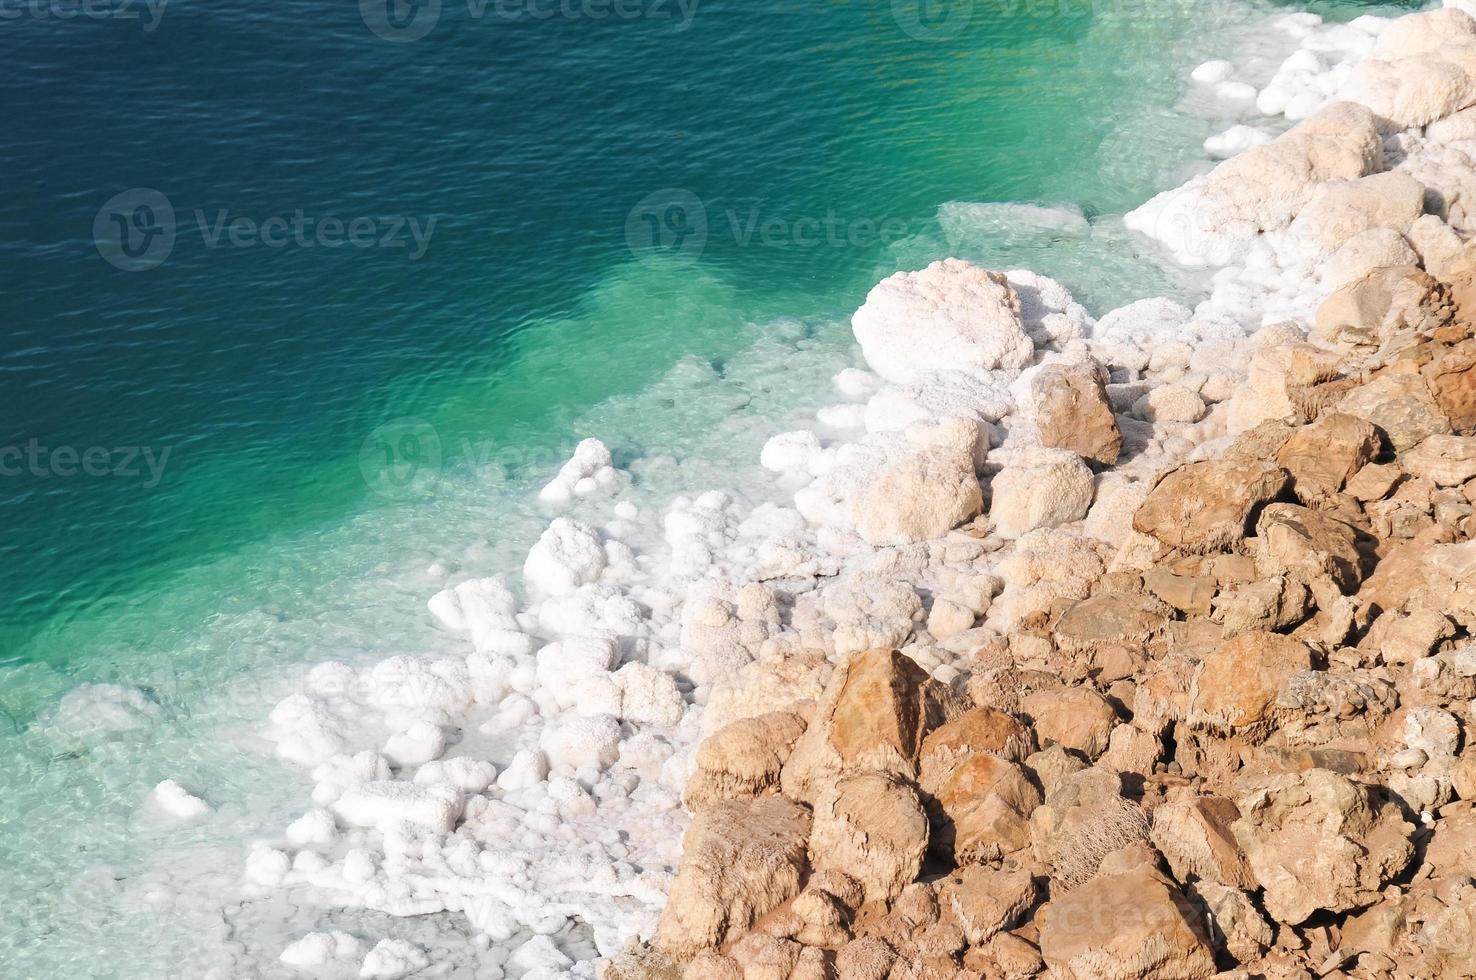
(1131, 648)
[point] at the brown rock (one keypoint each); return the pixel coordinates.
(865, 959)
(1111, 628)
(1236, 925)
(871, 827)
(1204, 506)
(1318, 840)
(1194, 835)
(1077, 717)
(1449, 572)
(978, 730)
(982, 810)
(1310, 545)
(1084, 819)
(743, 760)
(1134, 924)
(987, 900)
(1014, 958)
(1403, 638)
(1401, 406)
(872, 717)
(1446, 461)
(1321, 457)
(1381, 304)
(740, 860)
(1451, 378)
(1070, 405)
(1267, 605)
(1234, 689)
(1192, 595)
(1374, 482)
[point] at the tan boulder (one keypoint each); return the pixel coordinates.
(1266, 606)
(1323, 456)
(1076, 717)
(1130, 925)
(977, 730)
(1234, 689)
(982, 810)
(1342, 209)
(871, 827)
(1204, 506)
(1381, 304)
(1235, 924)
(1041, 488)
(1310, 545)
(1449, 572)
(1446, 461)
(1318, 840)
(919, 495)
(1373, 482)
(1403, 638)
(1451, 379)
(741, 859)
(987, 900)
(1401, 406)
(1071, 410)
(1194, 835)
(1112, 631)
(743, 760)
(872, 717)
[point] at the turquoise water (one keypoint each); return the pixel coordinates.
(600, 201)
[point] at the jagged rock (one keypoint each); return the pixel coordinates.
(1318, 840)
(1234, 689)
(1192, 595)
(1131, 749)
(872, 717)
(1204, 506)
(1043, 488)
(978, 730)
(1446, 461)
(923, 493)
(1130, 924)
(1449, 572)
(1194, 835)
(981, 810)
(743, 760)
(1236, 925)
(1077, 717)
(951, 316)
(1053, 764)
(1386, 301)
(1268, 605)
(1323, 456)
(741, 859)
(1342, 209)
(1069, 403)
(1311, 546)
(1403, 638)
(1012, 957)
(1112, 630)
(1373, 482)
(871, 827)
(1451, 379)
(987, 900)
(1401, 406)
(1084, 819)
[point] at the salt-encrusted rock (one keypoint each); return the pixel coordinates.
(1310, 545)
(1235, 924)
(1069, 403)
(871, 827)
(1382, 303)
(386, 803)
(566, 556)
(1047, 565)
(872, 717)
(1401, 406)
(1323, 456)
(317, 950)
(981, 810)
(1084, 819)
(1341, 209)
(987, 900)
(1132, 923)
(1414, 90)
(176, 802)
(1204, 506)
(1444, 460)
(1170, 403)
(391, 959)
(1077, 717)
(1042, 488)
(1213, 219)
(1234, 689)
(1194, 836)
(587, 472)
(1442, 252)
(743, 760)
(919, 495)
(740, 860)
(1318, 840)
(1366, 251)
(951, 316)
(1280, 381)
(1423, 33)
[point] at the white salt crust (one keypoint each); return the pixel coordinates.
(528, 781)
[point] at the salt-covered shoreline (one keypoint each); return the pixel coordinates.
(535, 784)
